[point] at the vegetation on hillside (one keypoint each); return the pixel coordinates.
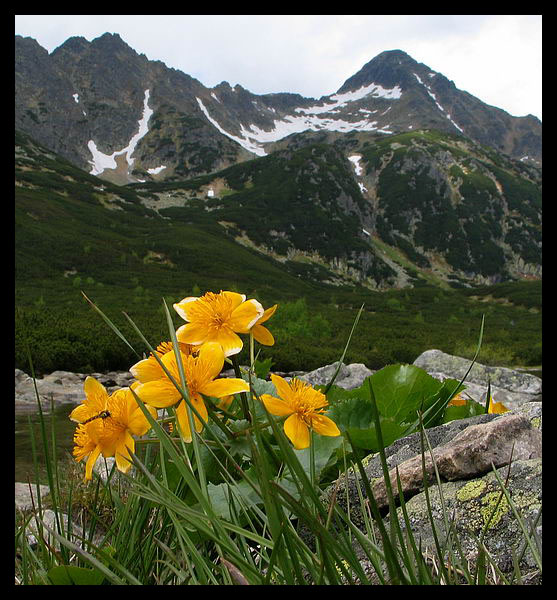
(77, 234)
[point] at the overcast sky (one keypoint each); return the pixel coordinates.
(496, 58)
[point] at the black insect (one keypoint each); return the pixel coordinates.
(104, 414)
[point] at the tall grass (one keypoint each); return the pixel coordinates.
(240, 506)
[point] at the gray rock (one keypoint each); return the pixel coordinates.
(470, 453)
(509, 386)
(26, 496)
(472, 508)
(463, 450)
(349, 376)
(62, 387)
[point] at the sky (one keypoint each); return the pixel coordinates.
(497, 58)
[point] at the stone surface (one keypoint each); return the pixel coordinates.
(462, 449)
(470, 453)
(349, 376)
(63, 387)
(509, 386)
(475, 506)
(25, 497)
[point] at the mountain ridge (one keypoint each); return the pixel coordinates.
(231, 123)
(378, 185)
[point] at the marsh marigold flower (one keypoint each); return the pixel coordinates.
(304, 406)
(200, 371)
(262, 334)
(106, 425)
(496, 407)
(217, 318)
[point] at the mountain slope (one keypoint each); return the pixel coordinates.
(74, 232)
(85, 99)
(383, 212)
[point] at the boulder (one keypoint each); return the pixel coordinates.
(464, 451)
(26, 495)
(63, 387)
(477, 506)
(509, 386)
(349, 376)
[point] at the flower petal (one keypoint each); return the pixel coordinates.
(282, 386)
(91, 462)
(122, 454)
(275, 406)
(262, 335)
(95, 392)
(137, 423)
(81, 413)
(267, 314)
(236, 299)
(224, 387)
(182, 307)
(297, 432)
(184, 426)
(147, 369)
(159, 394)
(192, 333)
(324, 426)
(230, 342)
(212, 355)
(245, 316)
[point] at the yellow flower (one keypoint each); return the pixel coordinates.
(262, 334)
(303, 405)
(217, 318)
(496, 407)
(157, 390)
(106, 425)
(457, 400)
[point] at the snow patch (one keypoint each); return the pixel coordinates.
(76, 98)
(214, 96)
(103, 161)
(339, 100)
(252, 147)
(310, 119)
(156, 170)
(355, 159)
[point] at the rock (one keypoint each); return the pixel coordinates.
(63, 387)
(472, 506)
(463, 450)
(49, 519)
(25, 497)
(470, 453)
(349, 376)
(509, 386)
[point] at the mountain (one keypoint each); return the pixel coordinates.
(85, 99)
(399, 179)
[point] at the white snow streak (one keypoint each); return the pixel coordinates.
(252, 137)
(156, 170)
(428, 89)
(355, 159)
(76, 97)
(103, 161)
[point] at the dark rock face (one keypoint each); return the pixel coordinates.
(201, 130)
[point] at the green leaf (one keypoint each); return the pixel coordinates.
(470, 409)
(71, 575)
(240, 492)
(401, 391)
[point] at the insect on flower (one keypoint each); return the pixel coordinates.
(104, 414)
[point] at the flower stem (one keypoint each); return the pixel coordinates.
(243, 396)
